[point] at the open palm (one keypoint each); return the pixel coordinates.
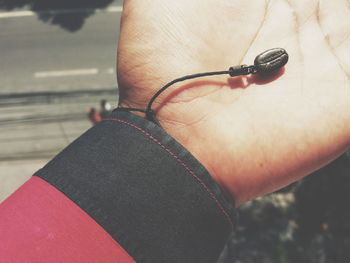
(253, 134)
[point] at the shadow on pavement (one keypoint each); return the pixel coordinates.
(49, 98)
(68, 14)
(42, 119)
(30, 98)
(40, 124)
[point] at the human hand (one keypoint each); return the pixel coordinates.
(253, 134)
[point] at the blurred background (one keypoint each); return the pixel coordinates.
(57, 60)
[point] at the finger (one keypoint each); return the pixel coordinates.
(279, 29)
(334, 21)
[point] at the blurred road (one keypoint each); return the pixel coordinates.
(49, 78)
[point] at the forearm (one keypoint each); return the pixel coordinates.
(144, 189)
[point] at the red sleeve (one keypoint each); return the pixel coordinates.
(40, 224)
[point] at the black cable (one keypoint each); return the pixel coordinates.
(150, 112)
(265, 63)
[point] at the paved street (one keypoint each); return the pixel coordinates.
(49, 78)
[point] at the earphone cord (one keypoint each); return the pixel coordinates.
(266, 62)
(150, 114)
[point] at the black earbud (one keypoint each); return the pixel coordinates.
(265, 63)
(270, 60)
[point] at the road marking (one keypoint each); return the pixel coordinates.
(16, 14)
(110, 71)
(65, 73)
(111, 9)
(114, 9)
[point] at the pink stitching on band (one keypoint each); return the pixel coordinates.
(179, 161)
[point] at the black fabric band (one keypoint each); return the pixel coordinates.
(145, 189)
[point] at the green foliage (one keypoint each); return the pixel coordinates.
(282, 255)
(308, 222)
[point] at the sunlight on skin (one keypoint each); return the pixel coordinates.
(253, 138)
